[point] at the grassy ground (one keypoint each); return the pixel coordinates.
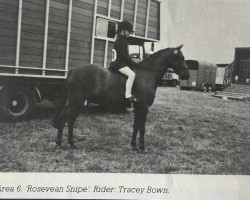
(186, 133)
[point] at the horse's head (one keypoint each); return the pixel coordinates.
(178, 64)
(167, 58)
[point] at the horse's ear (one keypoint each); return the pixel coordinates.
(179, 47)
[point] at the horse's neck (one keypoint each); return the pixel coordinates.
(152, 65)
(149, 77)
(150, 71)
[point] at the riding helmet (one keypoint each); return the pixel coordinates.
(126, 25)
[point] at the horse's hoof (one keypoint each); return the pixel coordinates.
(73, 146)
(142, 148)
(143, 151)
(134, 148)
(133, 145)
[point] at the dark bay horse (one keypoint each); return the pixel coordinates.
(105, 87)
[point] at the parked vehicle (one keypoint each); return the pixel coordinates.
(42, 40)
(237, 76)
(202, 76)
(239, 70)
(170, 78)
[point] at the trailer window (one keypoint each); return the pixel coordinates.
(105, 28)
(192, 65)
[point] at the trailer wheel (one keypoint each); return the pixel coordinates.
(204, 88)
(17, 103)
(210, 88)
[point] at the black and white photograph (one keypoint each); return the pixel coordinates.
(102, 90)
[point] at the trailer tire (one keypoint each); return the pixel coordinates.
(17, 103)
(204, 88)
(210, 88)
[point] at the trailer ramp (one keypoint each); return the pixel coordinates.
(235, 91)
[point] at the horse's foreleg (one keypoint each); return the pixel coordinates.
(73, 112)
(142, 123)
(135, 130)
(71, 123)
(62, 118)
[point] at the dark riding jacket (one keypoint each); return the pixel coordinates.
(123, 58)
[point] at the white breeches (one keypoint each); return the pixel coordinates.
(129, 84)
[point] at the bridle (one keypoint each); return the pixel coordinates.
(155, 70)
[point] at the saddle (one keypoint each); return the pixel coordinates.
(114, 68)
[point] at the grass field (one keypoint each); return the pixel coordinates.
(187, 132)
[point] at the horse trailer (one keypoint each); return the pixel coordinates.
(239, 70)
(42, 40)
(241, 74)
(202, 76)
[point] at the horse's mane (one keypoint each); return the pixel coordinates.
(152, 56)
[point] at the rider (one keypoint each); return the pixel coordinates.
(123, 62)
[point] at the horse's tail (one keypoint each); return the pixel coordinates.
(60, 100)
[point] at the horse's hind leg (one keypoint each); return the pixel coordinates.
(59, 136)
(73, 112)
(133, 141)
(142, 121)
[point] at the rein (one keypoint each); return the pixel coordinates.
(149, 69)
(154, 70)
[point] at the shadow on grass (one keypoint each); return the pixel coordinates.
(45, 110)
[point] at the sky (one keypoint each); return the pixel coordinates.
(209, 29)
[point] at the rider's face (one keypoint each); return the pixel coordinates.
(125, 33)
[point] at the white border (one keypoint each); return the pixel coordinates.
(138, 186)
